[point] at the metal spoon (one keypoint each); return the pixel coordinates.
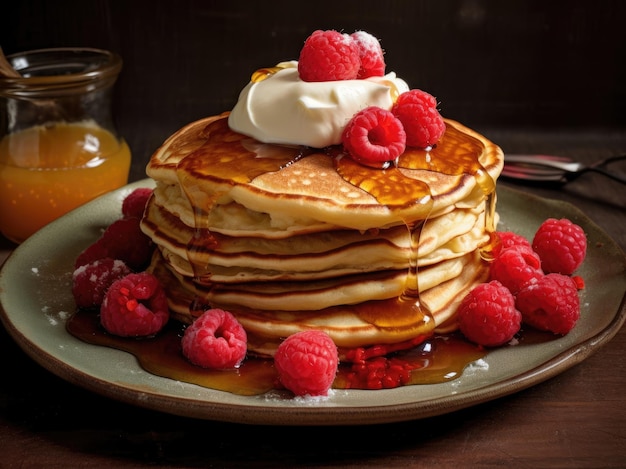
(554, 169)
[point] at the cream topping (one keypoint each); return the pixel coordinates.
(286, 110)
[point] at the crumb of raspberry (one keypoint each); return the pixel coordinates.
(91, 281)
(509, 238)
(550, 304)
(515, 267)
(307, 363)
(134, 203)
(487, 315)
(579, 281)
(561, 245)
(361, 354)
(379, 373)
(371, 55)
(215, 340)
(417, 110)
(134, 306)
(329, 55)
(374, 137)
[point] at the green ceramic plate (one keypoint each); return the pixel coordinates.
(36, 299)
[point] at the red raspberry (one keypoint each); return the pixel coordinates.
(92, 253)
(561, 245)
(307, 363)
(329, 55)
(374, 137)
(90, 282)
(134, 306)
(417, 110)
(123, 240)
(550, 304)
(216, 340)
(515, 267)
(487, 315)
(370, 54)
(509, 238)
(134, 203)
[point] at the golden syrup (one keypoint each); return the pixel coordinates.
(392, 188)
(226, 157)
(436, 360)
(264, 73)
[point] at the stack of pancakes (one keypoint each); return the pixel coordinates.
(289, 238)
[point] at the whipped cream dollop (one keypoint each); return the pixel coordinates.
(284, 109)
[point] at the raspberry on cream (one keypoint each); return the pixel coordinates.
(284, 109)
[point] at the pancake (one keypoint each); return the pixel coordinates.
(313, 255)
(205, 167)
(290, 238)
(345, 323)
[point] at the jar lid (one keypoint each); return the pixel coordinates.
(64, 70)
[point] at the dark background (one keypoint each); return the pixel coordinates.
(535, 76)
(494, 65)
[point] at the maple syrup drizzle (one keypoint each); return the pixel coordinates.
(392, 188)
(264, 73)
(232, 161)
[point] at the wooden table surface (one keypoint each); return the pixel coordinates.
(576, 419)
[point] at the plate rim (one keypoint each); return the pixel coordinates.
(308, 414)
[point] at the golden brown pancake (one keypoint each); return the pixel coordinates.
(291, 238)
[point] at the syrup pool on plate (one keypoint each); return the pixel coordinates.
(46, 171)
(437, 360)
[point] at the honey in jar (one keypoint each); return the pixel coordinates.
(59, 147)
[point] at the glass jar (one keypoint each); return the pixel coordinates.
(59, 147)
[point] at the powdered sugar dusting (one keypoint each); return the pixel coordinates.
(478, 365)
(56, 318)
(305, 401)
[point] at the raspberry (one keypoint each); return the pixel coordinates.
(550, 304)
(94, 252)
(125, 240)
(122, 240)
(134, 306)
(370, 54)
(487, 315)
(90, 282)
(374, 137)
(307, 363)
(216, 340)
(508, 239)
(417, 110)
(515, 267)
(134, 203)
(329, 55)
(561, 245)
